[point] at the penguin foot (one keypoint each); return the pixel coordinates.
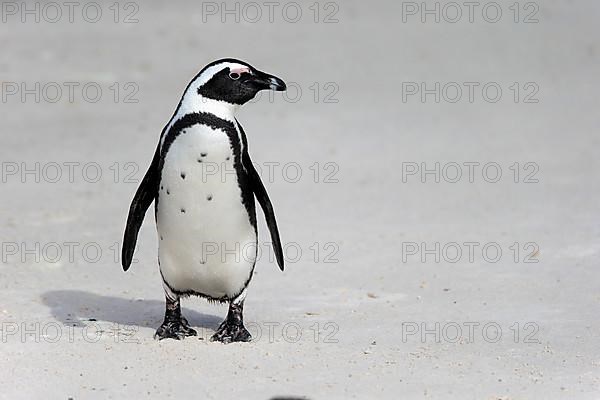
(174, 330)
(230, 332)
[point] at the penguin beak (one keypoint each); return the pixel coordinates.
(268, 82)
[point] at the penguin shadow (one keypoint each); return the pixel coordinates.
(77, 308)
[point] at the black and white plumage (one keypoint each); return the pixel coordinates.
(206, 220)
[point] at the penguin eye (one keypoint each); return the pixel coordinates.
(234, 75)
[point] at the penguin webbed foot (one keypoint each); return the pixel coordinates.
(230, 332)
(233, 329)
(174, 329)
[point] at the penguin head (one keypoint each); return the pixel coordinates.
(233, 81)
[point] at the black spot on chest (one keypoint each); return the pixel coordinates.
(214, 122)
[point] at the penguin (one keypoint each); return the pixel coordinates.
(203, 185)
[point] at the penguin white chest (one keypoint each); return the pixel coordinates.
(207, 243)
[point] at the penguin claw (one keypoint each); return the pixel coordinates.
(174, 330)
(229, 333)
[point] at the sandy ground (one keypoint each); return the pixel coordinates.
(364, 309)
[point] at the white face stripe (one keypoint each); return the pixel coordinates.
(193, 102)
(241, 70)
(211, 71)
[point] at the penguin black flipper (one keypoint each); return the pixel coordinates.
(263, 199)
(144, 196)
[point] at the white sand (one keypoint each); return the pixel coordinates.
(360, 302)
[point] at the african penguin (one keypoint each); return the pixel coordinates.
(203, 185)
